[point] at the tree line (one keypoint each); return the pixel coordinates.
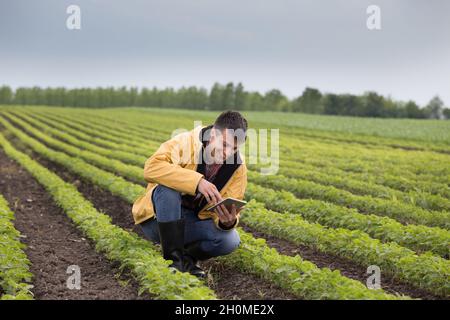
(228, 96)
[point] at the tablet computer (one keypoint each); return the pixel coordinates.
(228, 202)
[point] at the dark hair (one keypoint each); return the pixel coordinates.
(231, 120)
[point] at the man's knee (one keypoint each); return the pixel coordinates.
(166, 203)
(163, 193)
(150, 230)
(226, 242)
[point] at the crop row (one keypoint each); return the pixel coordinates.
(15, 275)
(425, 271)
(344, 132)
(131, 145)
(85, 141)
(301, 188)
(102, 138)
(377, 173)
(87, 135)
(424, 200)
(404, 212)
(111, 164)
(308, 154)
(431, 193)
(132, 115)
(113, 130)
(160, 131)
(403, 184)
(118, 126)
(399, 160)
(416, 237)
(395, 258)
(368, 140)
(292, 273)
(397, 210)
(411, 162)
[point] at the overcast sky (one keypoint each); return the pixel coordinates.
(265, 44)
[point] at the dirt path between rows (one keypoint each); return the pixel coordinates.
(54, 243)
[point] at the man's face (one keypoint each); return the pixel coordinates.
(223, 143)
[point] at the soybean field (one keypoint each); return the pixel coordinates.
(358, 208)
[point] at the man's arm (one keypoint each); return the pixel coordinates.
(164, 168)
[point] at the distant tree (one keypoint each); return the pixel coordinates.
(228, 97)
(310, 101)
(390, 108)
(349, 104)
(133, 96)
(331, 104)
(22, 96)
(239, 97)
(200, 98)
(254, 101)
(446, 113)
(216, 97)
(434, 108)
(143, 97)
(6, 95)
(297, 104)
(412, 110)
(342, 104)
(222, 97)
(191, 98)
(373, 104)
(285, 105)
(274, 100)
(165, 98)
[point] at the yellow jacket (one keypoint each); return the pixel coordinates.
(176, 165)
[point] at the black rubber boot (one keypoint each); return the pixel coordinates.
(194, 253)
(194, 250)
(191, 265)
(171, 235)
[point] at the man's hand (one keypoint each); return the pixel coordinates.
(227, 217)
(209, 190)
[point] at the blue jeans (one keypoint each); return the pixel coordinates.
(167, 206)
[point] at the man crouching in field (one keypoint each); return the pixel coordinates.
(185, 176)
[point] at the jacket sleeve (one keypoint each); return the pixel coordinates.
(235, 190)
(165, 165)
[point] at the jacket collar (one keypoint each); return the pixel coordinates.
(205, 134)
